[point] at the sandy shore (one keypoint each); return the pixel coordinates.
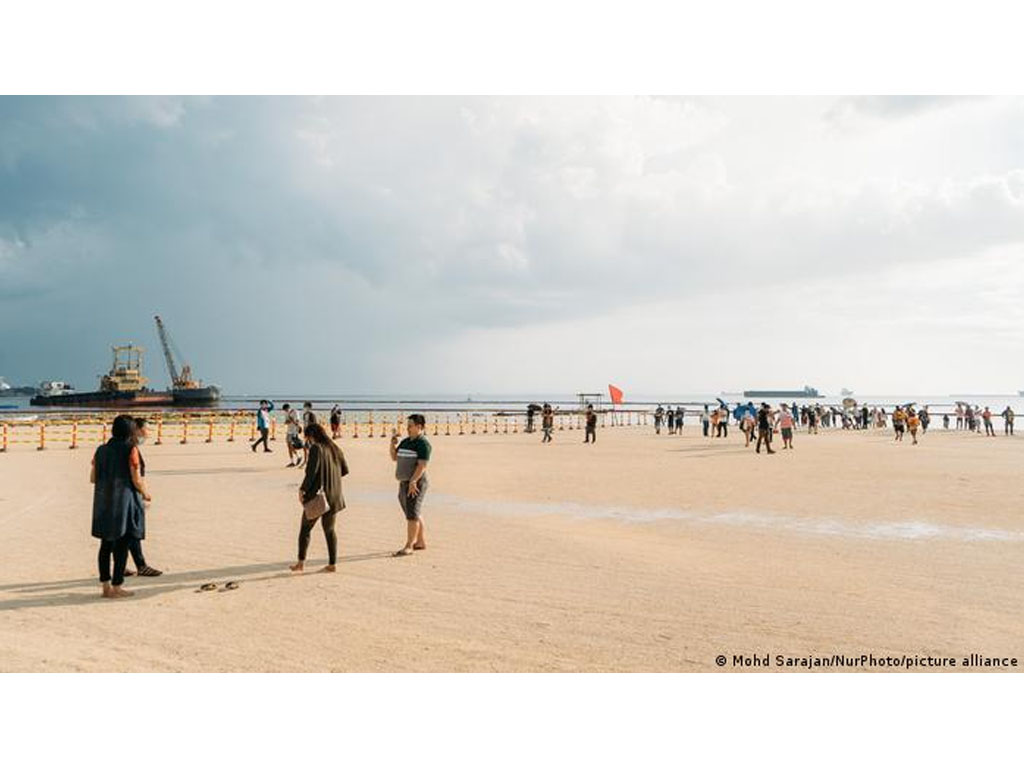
(639, 553)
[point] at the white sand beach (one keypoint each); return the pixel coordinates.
(640, 553)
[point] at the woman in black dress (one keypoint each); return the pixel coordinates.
(118, 510)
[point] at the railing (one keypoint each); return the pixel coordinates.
(92, 429)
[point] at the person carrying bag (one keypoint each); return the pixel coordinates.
(320, 494)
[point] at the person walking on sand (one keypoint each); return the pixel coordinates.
(680, 414)
(945, 421)
(764, 428)
(959, 416)
(335, 422)
(591, 425)
(986, 418)
(671, 417)
(786, 427)
(1007, 415)
(263, 425)
(292, 429)
(308, 417)
(747, 425)
(659, 416)
(135, 544)
(899, 418)
(705, 421)
(320, 495)
(118, 512)
(547, 422)
(411, 457)
(926, 419)
(913, 422)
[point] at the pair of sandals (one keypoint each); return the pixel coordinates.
(144, 571)
(404, 552)
(211, 587)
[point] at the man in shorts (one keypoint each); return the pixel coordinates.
(411, 457)
(786, 427)
(899, 420)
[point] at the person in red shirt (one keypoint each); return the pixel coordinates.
(785, 424)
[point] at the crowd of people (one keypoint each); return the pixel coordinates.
(121, 495)
(759, 424)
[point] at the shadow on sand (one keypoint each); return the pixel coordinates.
(50, 594)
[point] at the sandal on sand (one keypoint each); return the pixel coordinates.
(207, 587)
(402, 553)
(231, 585)
(149, 571)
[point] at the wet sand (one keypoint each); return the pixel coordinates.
(640, 553)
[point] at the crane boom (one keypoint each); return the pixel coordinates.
(168, 357)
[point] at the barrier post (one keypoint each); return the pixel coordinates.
(485, 425)
(103, 433)
(273, 430)
(447, 424)
(209, 434)
(42, 436)
(472, 430)
(355, 427)
(184, 431)
(435, 427)
(231, 431)
(3, 444)
(159, 430)
(515, 425)
(252, 431)
(74, 435)
(369, 425)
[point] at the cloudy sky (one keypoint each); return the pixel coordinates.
(507, 245)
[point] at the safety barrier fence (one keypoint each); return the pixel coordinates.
(162, 428)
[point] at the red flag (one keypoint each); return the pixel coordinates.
(616, 394)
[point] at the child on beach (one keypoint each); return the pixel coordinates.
(547, 422)
(411, 457)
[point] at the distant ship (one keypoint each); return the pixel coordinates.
(184, 389)
(805, 392)
(124, 385)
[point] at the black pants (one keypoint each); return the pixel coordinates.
(135, 548)
(263, 439)
(706, 425)
(591, 436)
(327, 520)
(764, 436)
(723, 429)
(988, 429)
(119, 549)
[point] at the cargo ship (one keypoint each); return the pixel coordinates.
(805, 392)
(123, 386)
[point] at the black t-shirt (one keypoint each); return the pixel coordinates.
(762, 419)
(591, 420)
